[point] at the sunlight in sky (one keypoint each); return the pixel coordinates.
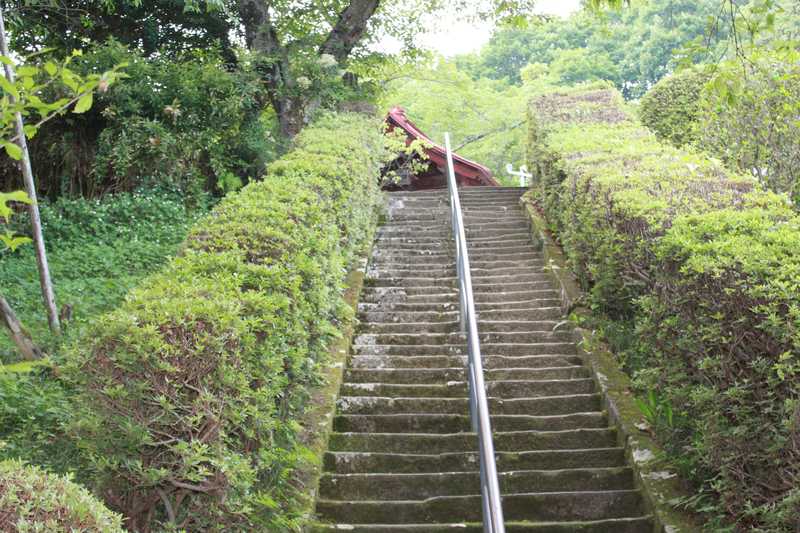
(451, 38)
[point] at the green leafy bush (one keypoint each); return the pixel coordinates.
(722, 323)
(33, 500)
(34, 407)
(671, 108)
(188, 394)
(703, 266)
(188, 123)
(750, 118)
(97, 249)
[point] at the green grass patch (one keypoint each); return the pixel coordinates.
(97, 250)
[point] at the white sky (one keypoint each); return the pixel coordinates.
(459, 37)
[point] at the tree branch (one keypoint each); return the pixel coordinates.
(17, 332)
(475, 138)
(349, 29)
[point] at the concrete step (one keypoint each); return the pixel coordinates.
(457, 388)
(548, 506)
(439, 375)
(429, 268)
(368, 317)
(444, 295)
(535, 406)
(355, 462)
(445, 307)
(503, 337)
(490, 362)
(643, 524)
(391, 487)
(537, 348)
(458, 423)
(488, 326)
(509, 441)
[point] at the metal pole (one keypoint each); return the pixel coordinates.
(36, 223)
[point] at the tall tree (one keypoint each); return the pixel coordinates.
(290, 39)
(294, 44)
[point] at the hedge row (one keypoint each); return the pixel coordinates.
(706, 266)
(32, 500)
(188, 394)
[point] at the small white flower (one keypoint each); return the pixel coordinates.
(327, 61)
(303, 82)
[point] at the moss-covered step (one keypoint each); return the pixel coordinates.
(547, 506)
(490, 362)
(355, 462)
(454, 423)
(394, 486)
(544, 406)
(512, 441)
(643, 524)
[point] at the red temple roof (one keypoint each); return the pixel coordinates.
(468, 173)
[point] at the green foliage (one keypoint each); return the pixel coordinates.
(188, 124)
(154, 27)
(657, 411)
(26, 95)
(34, 500)
(34, 408)
(577, 65)
(634, 47)
(723, 322)
(97, 249)
(672, 107)
(702, 266)
(9, 239)
(188, 393)
(750, 118)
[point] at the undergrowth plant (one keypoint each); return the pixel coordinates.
(97, 250)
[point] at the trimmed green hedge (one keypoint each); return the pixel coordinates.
(705, 267)
(33, 500)
(189, 393)
(671, 108)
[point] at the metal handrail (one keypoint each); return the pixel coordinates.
(478, 404)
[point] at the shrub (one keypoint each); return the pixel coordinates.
(671, 108)
(722, 323)
(704, 265)
(750, 118)
(188, 123)
(34, 408)
(188, 393)
(33, 500)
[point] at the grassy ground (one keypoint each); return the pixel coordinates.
(98, 250)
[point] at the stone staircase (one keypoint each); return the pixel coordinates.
(403, 457)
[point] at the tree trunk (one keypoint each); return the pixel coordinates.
(273, 65)
(27, 173)
(273, 58)
(17, 332)
(349, 29)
